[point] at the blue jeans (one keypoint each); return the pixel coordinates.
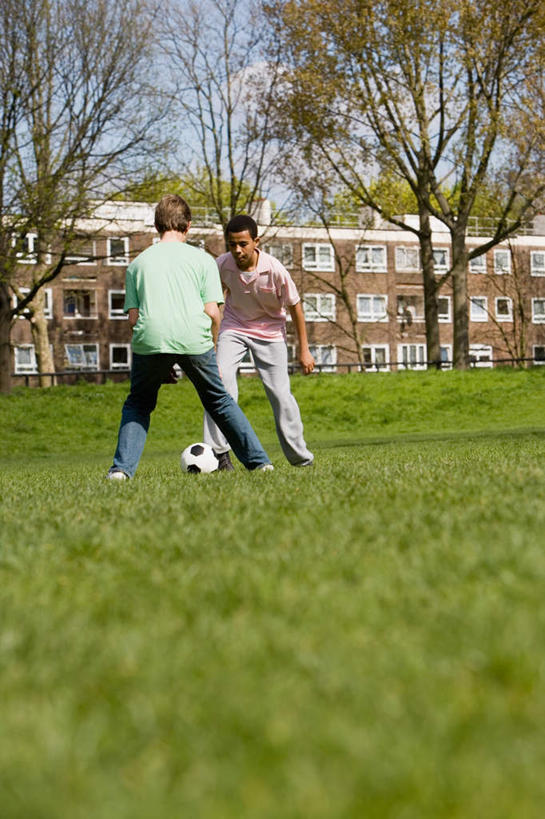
(148, 373)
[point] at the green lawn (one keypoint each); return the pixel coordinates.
(365, 638)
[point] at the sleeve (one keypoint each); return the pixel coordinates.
(290, 294)
(211, 286)
(131, 295)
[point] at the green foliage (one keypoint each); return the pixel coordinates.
(362, 638)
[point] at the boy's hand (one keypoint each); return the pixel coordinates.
(307, 362)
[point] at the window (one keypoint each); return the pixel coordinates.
(25, 359)
(504, 309)
(83, 252)
(478, 264)
(372, 308)
(282, 252)
(118, 250)
(82, 356)
(376, 357)
(27, 253)
(48, 301)
(371, 259)
(443, 309)
(79, 304)
(324, 355)
(480, 355)
(539, 354)
(478, 308)
(441, 259)
(247, 363)
(116, 302)
(411, 356)
(537, 263)
(446, 357)
(538, 311)
(120, 356)
(318, 257)
(319, 306)
(410, 308)
(407, 258)
(502, 261)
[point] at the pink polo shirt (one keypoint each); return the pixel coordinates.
(256, 302)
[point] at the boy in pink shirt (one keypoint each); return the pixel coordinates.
(258, 289)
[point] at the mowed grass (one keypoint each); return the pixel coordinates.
(360, 639)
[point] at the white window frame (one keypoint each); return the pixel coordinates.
(116, 314)
(401, 265)
(419, 361)
(444, 266)
(478, 264)
(80, 259)
(369, 265)
(509, 316)
(540, 317)
(444, 318)
(375, 315)
(318, 263)
(84, 353)
(246, 365)
(116, 365)
(318, 351)
(324, 310)
(446, 364)
(28, 257)
(500, 269)
(92, 316)
(117, 260)
(476, 351)
(539, 362)
(535, 269)
(283, 251)
(22, 369)
(480, 313)
(410, 309)
(373, 349)
(48, 298)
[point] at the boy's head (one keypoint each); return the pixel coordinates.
(172, 213)
(240, 223)
(242, 241)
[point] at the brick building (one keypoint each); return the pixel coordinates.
(362, 288)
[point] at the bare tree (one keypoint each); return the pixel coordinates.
(76, 117)
(222, 90)
(429, 90)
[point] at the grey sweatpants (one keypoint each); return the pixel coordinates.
(271, 361)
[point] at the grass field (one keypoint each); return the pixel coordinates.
(365, 638)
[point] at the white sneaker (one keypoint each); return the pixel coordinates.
(308, 462)
(264, 468)
(117, 475)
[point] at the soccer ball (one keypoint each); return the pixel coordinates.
(199, 458)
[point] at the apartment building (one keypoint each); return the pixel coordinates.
(361, 288)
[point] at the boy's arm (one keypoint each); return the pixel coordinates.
(305, 358)
(212, 309)
(133, 316)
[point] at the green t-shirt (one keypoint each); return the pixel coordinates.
(169, 283)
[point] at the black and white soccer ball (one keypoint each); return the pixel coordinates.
(199, 458)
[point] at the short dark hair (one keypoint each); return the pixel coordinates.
(172, 213)
(242, 222)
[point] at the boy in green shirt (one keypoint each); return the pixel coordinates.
(172, 295)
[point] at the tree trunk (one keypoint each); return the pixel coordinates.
(433, 348)
(460, 298)
(40, 337)
(5, 333)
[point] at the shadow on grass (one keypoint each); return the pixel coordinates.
(416, 437)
